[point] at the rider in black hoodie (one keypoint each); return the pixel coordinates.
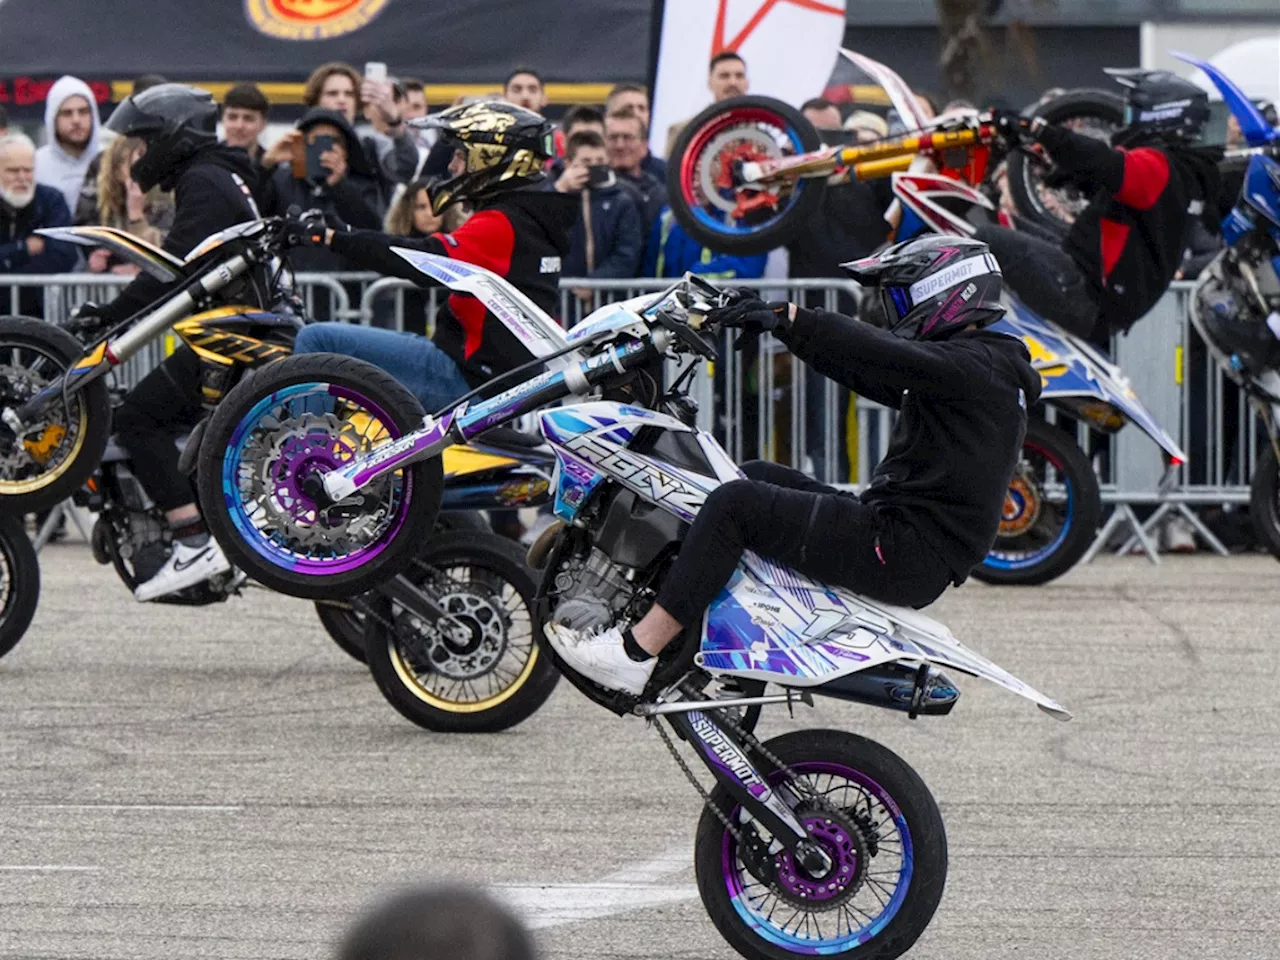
(931, 511)
(1126, 247)
(213, 189)
(490, 155)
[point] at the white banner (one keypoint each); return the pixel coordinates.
(789, 47)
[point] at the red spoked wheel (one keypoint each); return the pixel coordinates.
(704, 184)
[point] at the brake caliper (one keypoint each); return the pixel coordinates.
(41, 448)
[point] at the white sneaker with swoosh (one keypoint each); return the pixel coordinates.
(185, 567)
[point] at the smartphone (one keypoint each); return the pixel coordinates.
(600, 175)
(375, 71)
(323, 143)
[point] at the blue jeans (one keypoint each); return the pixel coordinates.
(422, 367)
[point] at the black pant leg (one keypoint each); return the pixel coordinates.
(781, 476)
(164, 404)
(1043, 277)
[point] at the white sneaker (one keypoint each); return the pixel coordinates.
(1179, 536)
(601, 657)
(185, 567)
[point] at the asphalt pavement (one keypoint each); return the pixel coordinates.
(225, 783)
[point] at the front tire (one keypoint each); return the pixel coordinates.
(46, 466)
(292, 419)
(19, 582)
(496, 679)
(1051, 512)
(901, 859)
(702, 200)
(1264, 500)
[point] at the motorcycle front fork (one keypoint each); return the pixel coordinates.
(752, 782)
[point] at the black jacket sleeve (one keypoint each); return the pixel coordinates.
(372, 251)
(355, 203)
(1088, 161)
(874, 363)
(202, 206)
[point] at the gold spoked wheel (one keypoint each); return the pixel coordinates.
(479, 670)
(45, 460)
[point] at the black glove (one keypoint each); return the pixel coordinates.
(745, 311)
(1011, 125)
(86, 321)
(307, 230)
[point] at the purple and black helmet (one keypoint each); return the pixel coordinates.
(933, 286)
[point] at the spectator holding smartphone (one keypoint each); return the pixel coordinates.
(389, 150)
(322, 166)
(608, 238)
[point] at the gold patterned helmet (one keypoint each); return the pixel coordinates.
(503, 147)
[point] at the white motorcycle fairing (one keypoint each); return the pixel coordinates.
(769, 623)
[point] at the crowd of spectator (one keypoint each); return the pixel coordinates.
(370, 161)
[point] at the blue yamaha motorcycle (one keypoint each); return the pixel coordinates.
(1236, 305)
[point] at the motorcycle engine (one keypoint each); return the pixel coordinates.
(1236, 308)
(592, 592)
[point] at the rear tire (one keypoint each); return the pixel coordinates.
(1264, 500)
(919, 826)
(21, 587)
(682, 191)
(224, 508)
(393, 670)
(1083, 513)
(91, 411)
(346, 627)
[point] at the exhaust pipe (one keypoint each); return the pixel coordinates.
(898, 686)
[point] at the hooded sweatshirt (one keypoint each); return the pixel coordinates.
(209, 196)
(54, 166)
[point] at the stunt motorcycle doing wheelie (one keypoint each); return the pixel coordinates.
(817, 842)
(230, 303)
(750, 170)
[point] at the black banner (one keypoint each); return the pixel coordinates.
(439, 41)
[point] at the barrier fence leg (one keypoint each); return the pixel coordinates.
(1148, 528)
(1214, 543)
(1123, 513)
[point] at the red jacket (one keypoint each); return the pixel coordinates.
(521, 236)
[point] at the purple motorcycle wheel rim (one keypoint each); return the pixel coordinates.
(265, 547)
(733, 876)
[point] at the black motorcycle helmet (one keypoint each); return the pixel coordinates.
(174, 121)
(933, 286)
(504, 147)
(1159, 105)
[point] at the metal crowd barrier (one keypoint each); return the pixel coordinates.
(766, 404)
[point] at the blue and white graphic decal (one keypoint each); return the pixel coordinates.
(1069, 368)
(536, 331)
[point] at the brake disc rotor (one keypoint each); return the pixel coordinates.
(741, 143)
(466, 649)
(280, 460)
(845, 844)
(1022, 504)
(37, 445)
